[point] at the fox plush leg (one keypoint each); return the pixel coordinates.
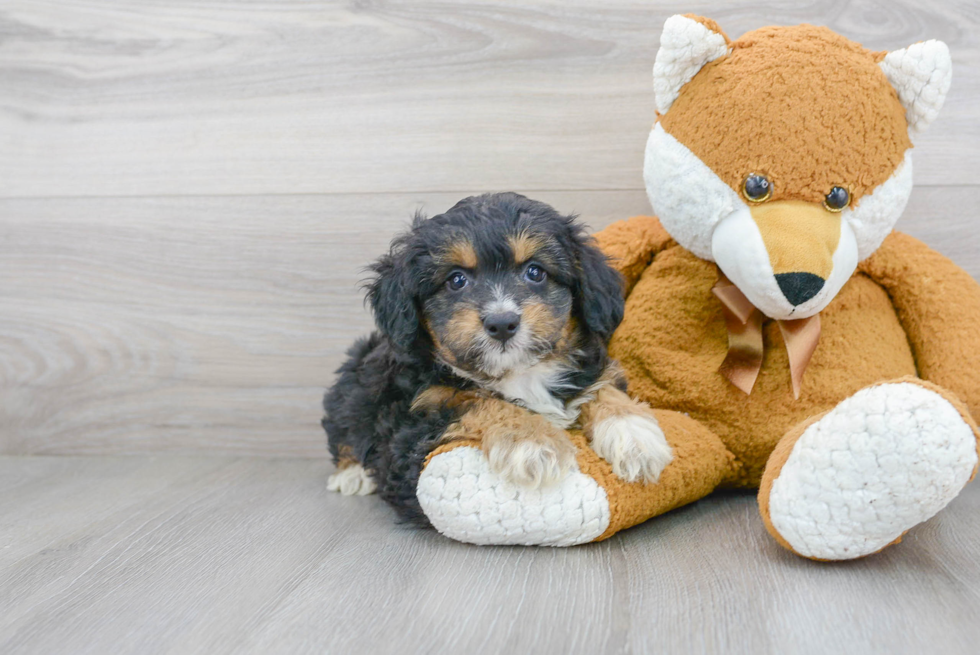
(852, 481)
(465, 500)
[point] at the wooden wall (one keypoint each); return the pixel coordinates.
(189, 192)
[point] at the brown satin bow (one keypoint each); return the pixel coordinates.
(744, 322)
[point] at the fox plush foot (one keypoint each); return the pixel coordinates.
(466, 499)
(852, 481)
(841, 485)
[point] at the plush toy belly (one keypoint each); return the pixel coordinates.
(674, 339)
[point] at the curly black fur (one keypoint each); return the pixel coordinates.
(368, 409)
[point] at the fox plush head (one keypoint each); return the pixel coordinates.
(785, 156)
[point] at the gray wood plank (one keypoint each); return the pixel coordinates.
(753, 596)
(186, 324)
(228, 555)
(149, 98)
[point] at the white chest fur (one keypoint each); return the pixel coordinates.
(531, 387)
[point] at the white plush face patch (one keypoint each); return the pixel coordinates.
(875, 215)
(707, 217)
(687, 196)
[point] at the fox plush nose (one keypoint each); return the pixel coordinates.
(502, 326)
(799, 287)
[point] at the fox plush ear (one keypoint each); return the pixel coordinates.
(921, 74)
(688, 42)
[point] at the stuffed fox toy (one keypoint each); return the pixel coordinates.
(788, 340)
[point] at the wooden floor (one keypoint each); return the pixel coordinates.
(189, 193)
(230, 555)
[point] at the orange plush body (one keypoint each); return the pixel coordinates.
(673, 340)
(757, 146)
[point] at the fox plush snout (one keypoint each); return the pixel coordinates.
(801, 239)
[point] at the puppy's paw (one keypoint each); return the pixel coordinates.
(532, 463)
(352, 481)
(634, 444)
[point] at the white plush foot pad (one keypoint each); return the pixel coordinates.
(882, 461)
(468, 502)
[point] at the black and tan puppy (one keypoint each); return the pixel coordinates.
(493, 320)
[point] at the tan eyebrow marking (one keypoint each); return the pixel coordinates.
(460, 253)
(524, 246)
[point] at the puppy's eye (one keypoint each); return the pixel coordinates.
(535, 273)
(837, 199)
(457, 281)
(757, 188)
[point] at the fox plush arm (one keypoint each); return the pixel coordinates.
(632, 244)
(938, 304)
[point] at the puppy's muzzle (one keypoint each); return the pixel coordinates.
(502, 326)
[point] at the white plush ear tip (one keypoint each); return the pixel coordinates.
(685, 47)
(921, 74)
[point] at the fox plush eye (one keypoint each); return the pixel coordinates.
(457, 281)
(837, 199)
(757, 188)
(535, 273)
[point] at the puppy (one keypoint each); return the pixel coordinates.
(493, 320)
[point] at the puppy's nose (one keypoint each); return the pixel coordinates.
(799, 287)
(502, 326)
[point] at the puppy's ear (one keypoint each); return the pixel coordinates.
(393, 296)
(600, 290)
